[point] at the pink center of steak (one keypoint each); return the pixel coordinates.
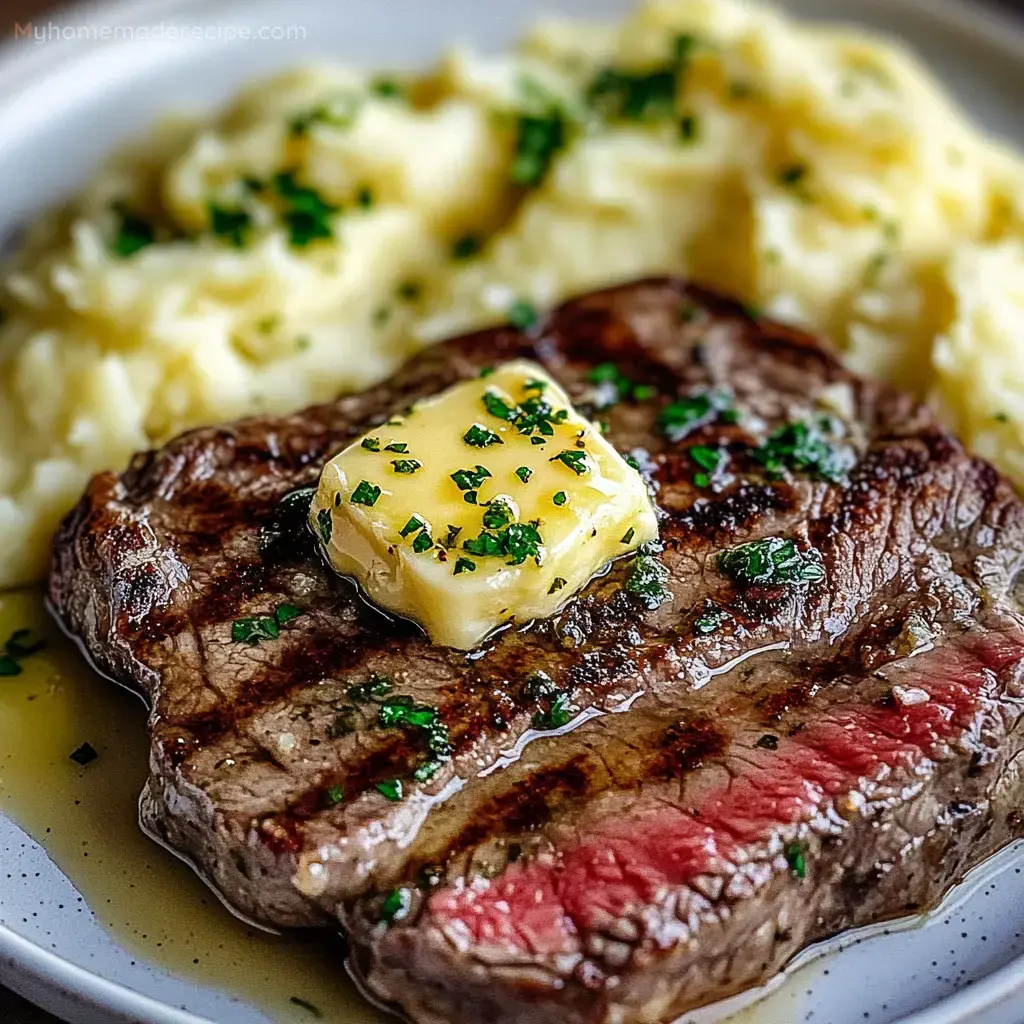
(735, 828)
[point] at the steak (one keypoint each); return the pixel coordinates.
(768, 744)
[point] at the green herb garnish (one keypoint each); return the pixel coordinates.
(470, 479)
(254, 630)
(371, 444)
(376, 686)
(391, 789)
(522, 315)
(22, 643)
(539, 137)
(396, 905)
(481, 437)
(683, 415)
(768, 742)
(560, 498)
(774, 560)
(556, 584)
(802, 447)
(402, 710)
(466, 247)
(796, 859)
(231, 225)
(414, 524)
(688, 128)
(423, 542)
(284, 613)
(339, 112)
(132, 234)
(560, 713)
(497, 515)
(306, 214)
(309, 1007)
(399, 447)
(648, 577)
(324, 525)
(517, 541)
(524, 473)
(334, 795)
(793, 174)
(710, 620)
(83, 755)
(573, 458)
(464, 565)
(627, 537)
(406, 465)
(427, 770)
(365, 494)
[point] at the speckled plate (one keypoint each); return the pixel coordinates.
(64, 104)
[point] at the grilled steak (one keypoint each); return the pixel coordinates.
(768, 743)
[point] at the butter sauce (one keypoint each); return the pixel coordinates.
(86, 821)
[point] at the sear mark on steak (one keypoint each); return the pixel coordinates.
(752, 765)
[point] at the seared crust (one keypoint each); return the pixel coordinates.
(921, 540)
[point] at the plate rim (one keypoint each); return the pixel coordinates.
(25, 966)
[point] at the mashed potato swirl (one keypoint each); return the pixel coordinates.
(330, 223)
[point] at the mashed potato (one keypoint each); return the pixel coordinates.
(331, 223)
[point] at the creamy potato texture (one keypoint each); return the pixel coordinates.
(329, 224)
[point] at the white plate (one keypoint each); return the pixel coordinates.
(65, 104)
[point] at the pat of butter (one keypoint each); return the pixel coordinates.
(489, 503)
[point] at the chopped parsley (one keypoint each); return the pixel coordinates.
(627, 537)
(400, 447)
(522, 315)
(324, 525)
(533, 414)
(648, 578)
(556, 584)
(423, 542)
(688, 128)
(774, 560)
(470, 479)
(710, 460)
(406, 465)
(497, 515)
(233, 226)
(410, 290)
(560, 712)
(480, 437)
(573, 458)
(257, 628)
(386, 88)
(391, 789)
(376, 686)
(517, 541)
(365, 198)
(793, 174)
(685, 414)
(306, 213)
(768, 742)
(539, 137)
(524, 473)
(464, 565)
(802, 447)
(414, 524)
(560, 498)
(710, 619)
(83, 755)
(339, 112)
(402, 710)
(132, 234)
(309, 1007)
(333, 795)
(371, 444)
(395, 906)
(615, 386)
(796, 859)
(22, 643)
(466, 247)
(365, 494)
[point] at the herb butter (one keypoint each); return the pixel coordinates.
(490, 503)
